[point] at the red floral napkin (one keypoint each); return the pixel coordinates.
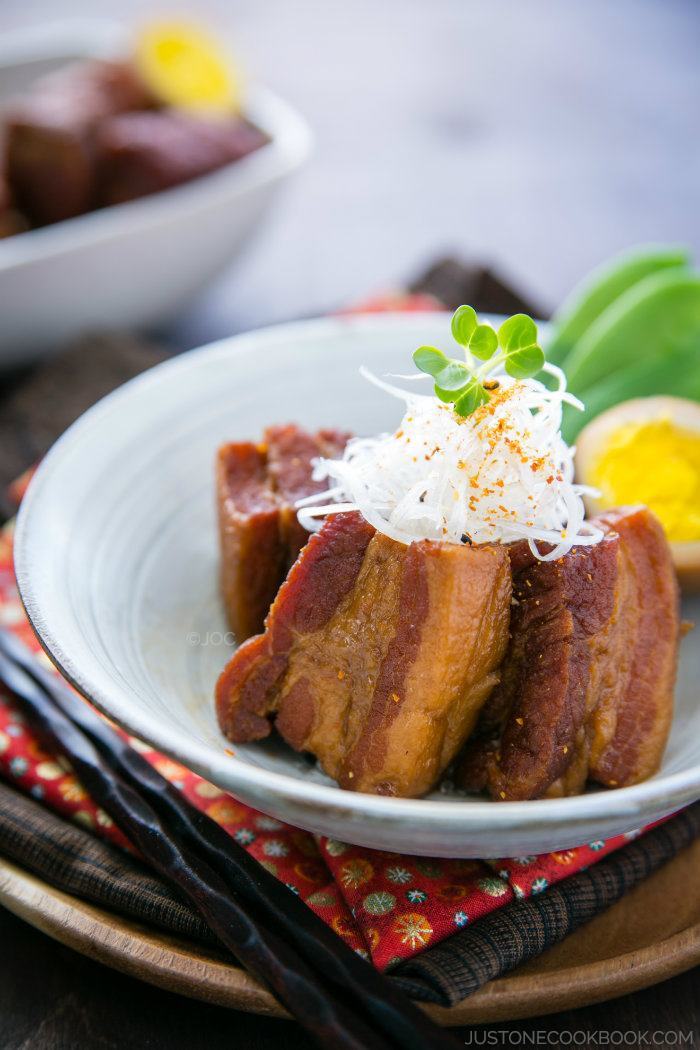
(385, 905)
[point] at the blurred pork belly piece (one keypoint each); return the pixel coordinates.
(377, 656)
(50, 136)
(142, 153)
(11, 220)
(587, 685)
(260, 536)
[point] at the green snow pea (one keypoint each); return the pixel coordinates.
(657, 316)
(600, 289)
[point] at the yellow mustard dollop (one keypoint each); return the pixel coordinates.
(656, 463)
(187, 68)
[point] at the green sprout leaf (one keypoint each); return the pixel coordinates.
(430, 360)
(461, 383)
(464, 322)
(483, 342)
(525, 363)
(453, 376)
(479, 339)
(523, 357)
(471, 398)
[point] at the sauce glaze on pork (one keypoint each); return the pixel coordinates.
(377, 657)
(587, 685)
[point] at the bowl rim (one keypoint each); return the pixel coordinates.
(665, 792)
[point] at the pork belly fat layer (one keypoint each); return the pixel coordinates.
(377, 657)
(260, 536)
(587, 686)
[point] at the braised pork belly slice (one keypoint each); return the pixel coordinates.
(587, 685)
(290, 454)
(627, 746)
(377, 656)
(251, 552)
(260, 537)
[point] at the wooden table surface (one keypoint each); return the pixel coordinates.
(540, 136)
(53, 999)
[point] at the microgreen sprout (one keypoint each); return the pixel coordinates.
(465, 383)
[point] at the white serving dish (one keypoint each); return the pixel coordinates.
(116, 556)
(137, 263)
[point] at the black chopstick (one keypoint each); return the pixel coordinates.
(243, 874)
(324, 1015)
(350, 977)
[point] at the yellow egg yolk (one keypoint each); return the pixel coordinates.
(656, 463)
(186, 68)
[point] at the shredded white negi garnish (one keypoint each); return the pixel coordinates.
(502, 473)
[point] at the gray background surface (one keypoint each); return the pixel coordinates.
(540, 134)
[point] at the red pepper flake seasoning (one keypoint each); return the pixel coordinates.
(341, 675)
(509, 449)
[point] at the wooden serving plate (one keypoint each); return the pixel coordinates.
(653, 934)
